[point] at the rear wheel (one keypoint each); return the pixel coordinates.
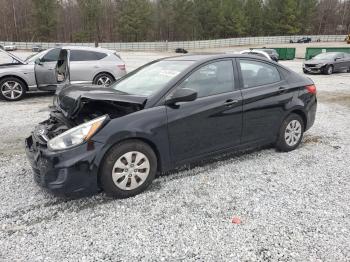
(103, 79)
(291, 133)
(128, 169)
(12, 89)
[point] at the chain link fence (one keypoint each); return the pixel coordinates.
(190, 45)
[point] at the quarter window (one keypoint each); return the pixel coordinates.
(211, 79)
(256, 73)
(82, 55)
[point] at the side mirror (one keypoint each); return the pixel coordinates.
(38, 61)
(182, 95)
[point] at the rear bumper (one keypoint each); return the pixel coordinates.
(67, 173)
(311, 113)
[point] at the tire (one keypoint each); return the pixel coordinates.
(118, 177)
(12, 89)
(294, 126)
(103, 79)
(328, 70)
(305, 71)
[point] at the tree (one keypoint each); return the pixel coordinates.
(91, 11)
(134, 20)
(45, 18)
(253, 10)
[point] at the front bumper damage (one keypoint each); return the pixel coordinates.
(69, 172)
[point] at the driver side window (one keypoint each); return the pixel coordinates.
(212, 79)
(51, 56)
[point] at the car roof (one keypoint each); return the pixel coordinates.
(88, 48)
(203, 57)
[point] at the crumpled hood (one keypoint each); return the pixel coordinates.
(316, 61)
(70, 99)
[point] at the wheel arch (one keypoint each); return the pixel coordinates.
(141, 139)
(302, 114)
(18, 77)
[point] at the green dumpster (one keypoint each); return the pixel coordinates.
(285, 53)
(313, 51)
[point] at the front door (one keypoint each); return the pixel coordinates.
(52, 70)
(213, 121)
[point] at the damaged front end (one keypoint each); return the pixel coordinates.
(61, 149)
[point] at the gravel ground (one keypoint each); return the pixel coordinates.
(292, 206)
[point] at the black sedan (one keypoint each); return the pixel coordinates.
(163, 115)
(328, 63)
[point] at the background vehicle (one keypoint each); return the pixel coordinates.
(256, 53)
(87, 66)
(10, 47)
(328, 63)
(37, 48)
(165, 114)
(271, 52)
(181, 51)
(302, 40)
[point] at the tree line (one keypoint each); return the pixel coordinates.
(172, 20)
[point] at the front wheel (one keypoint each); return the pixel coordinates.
(12, 89)
(128, 169)
(291, 133)
(329, 70)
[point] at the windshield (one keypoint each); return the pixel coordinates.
(152, 78)
(33, 57)
(325, 56)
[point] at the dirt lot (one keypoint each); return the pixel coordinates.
(293, 206)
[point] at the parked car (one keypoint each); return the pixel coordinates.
(302, 40)
(10, 47)
(37, 48)
(181, 51)
(328, 63)
(256, 53)
(163, 115)
(86, 66)
(271, 52)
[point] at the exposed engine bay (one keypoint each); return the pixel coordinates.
(88, 109)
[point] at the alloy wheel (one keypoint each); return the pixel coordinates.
(104, 81)
(130, 170)
(293, 133)
(11, 90)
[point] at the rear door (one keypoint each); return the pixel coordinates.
(265, 94)
(84, 65)
(214, 120)
(52, 71)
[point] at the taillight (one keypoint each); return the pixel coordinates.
(121, 67)
(311, 89)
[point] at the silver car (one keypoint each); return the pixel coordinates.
(52, 68)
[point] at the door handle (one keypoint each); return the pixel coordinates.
(282, 89)
(231, 102)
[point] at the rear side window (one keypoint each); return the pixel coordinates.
(82, 55)
(212, 79)
(256, 73)
(51, 56)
